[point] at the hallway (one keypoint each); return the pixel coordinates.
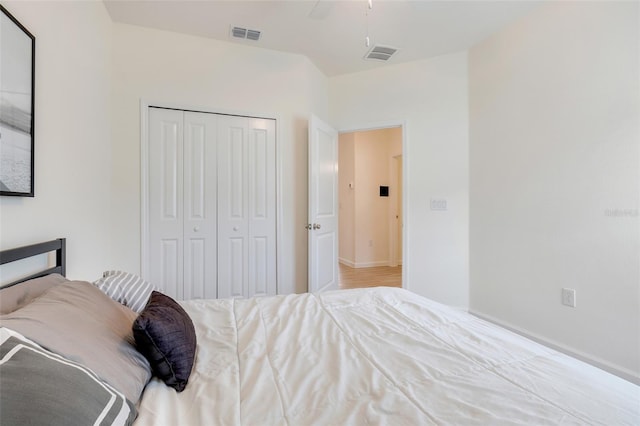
(370, 277)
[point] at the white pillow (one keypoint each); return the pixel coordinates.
(128, 289)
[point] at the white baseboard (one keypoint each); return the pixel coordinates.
(351, 264)
(372, 264)
(346, 262)
(601, 364)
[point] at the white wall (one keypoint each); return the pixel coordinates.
(430, 97)
(555, 178)
(202, 73)
(73, 135)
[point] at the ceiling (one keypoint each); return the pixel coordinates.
(332, 33)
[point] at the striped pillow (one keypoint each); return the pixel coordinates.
(128, 289)
(43, 388)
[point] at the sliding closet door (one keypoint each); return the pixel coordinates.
(246, 207)
(182, 203)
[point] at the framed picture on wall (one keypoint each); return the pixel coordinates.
(17, 69)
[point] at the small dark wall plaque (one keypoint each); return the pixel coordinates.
(384, 191)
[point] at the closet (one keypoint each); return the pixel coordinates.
(211, 204)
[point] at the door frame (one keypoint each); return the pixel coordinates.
(145, 104)
(378, 125)
(394, 221)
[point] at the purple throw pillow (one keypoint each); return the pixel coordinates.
(165, 335)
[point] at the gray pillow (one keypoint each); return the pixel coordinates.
(79, 322)
(58, 391)
(17, 296)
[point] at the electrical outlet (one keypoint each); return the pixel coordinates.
(569, 297)
(370, 243)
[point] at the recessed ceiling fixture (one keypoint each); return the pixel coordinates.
(244, 33)
(380, 53)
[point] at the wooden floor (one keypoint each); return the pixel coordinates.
(370, 277)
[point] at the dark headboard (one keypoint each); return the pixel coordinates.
(59, 246)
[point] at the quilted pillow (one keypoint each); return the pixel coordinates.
(165, 335)
(58, 391)
(129, 289)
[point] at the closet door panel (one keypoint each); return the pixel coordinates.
(195, 269)
(200, 192)
(261, 207)
(235, 268)
(232, 280)
(259, 270)
(195, 171)
(234, 149)
(232, 207)
(169, 266)
(166, 200)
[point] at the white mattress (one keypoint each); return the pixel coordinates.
(376, 356)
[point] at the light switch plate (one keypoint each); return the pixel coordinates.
(439, 204)
(569, 297)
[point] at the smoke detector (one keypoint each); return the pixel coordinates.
(244, 33)
(380, 53)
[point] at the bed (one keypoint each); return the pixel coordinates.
(348, 357)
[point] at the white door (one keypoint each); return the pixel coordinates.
(182, 200)
(246, 207)
(323, 206)
(166, 200)
(200, 223)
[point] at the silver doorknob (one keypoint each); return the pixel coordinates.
(196, 228)
(316, 226)
(235, 228)
(307, 226)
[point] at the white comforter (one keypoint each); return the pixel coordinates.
(376, 356)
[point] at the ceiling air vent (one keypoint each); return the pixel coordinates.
(253, 35)
(243, 33)
(380, 53)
